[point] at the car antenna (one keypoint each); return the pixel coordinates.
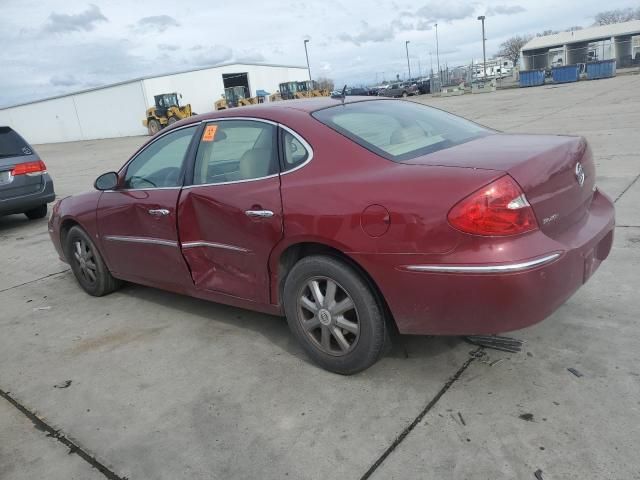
(343, 95)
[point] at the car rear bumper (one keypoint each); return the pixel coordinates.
(471, 297)
(23, 203)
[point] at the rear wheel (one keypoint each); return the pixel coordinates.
(38, 212)
(405, 94)
(334, 314)
(87, 264)
(154, 126)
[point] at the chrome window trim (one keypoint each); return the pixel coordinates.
(511, 267)
(224, 246)
(154, 241)
(304, 143)
(141, 189)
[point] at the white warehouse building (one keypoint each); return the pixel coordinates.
(118, 110)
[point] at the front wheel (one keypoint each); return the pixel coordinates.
(334, 314)
(87, 265)
(172, 120)
(154, 126)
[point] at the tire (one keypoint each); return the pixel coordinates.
(38, 212)
(320, 330)
(405, 94)
(154, 126)
(81, 253)
(172, 120)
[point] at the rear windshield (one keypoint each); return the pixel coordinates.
(399, 130)
(11, 144)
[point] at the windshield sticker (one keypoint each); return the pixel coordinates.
(209, 133)
(26, 150)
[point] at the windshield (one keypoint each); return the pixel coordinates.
(399, 130)
(11, 144)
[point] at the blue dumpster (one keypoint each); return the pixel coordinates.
(531, 78)
(602, 69)
(568, 73)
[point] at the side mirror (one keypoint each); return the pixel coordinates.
(106, 181)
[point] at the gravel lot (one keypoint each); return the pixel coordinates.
(169, 387)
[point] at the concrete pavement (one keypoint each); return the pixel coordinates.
(164, 386)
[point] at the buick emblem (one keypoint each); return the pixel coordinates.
(580, 176)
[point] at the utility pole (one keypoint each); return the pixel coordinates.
(438, 54)
(406, 46)
(307, 55)
(484, 51)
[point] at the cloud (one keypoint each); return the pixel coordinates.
(63, 80)
(168, 46)
(155, 23)
(505, 10)
(213, 55)
(438, 11)
(369, 34)
(250, 57)
(61, 22)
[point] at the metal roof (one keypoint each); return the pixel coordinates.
(138, 79)
(590, 34)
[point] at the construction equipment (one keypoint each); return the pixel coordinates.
(166, 111)
(305, 89)
(234, 97)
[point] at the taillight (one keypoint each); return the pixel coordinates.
(27, 168)
(499, 208)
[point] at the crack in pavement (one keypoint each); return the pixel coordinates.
(33, 281)
(61, 437)
(400, 438)
(626, 189)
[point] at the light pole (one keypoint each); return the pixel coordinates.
(438, 54)
(307, 54)
(431, 61)
(484, 54)
(406, 46)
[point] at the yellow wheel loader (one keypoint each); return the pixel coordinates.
(166, 111)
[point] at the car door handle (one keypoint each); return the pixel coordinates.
(159, 212)
(259, 213)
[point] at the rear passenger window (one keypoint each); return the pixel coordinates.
(11, 144)
(235, 150)
(295, 153)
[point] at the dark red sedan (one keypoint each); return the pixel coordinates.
(350, 219)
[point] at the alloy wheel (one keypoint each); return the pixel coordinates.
(328, 316)
(85, 260)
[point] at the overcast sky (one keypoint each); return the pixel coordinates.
(51, 47)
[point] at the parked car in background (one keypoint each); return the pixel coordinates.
(357, 91)
(424, 86)
(25, 185)
(403, 89)
(350, 217)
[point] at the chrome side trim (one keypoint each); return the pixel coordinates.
(189, 187)
(223, 246)
(511, 267)
(154, 241)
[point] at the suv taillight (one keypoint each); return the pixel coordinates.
(499, 208)
(37, 167)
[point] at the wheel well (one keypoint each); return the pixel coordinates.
(64, 230)
(295, 253)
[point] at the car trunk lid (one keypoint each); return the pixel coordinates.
(545, 167)
(14, 151)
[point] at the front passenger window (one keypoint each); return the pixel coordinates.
(160, 164)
